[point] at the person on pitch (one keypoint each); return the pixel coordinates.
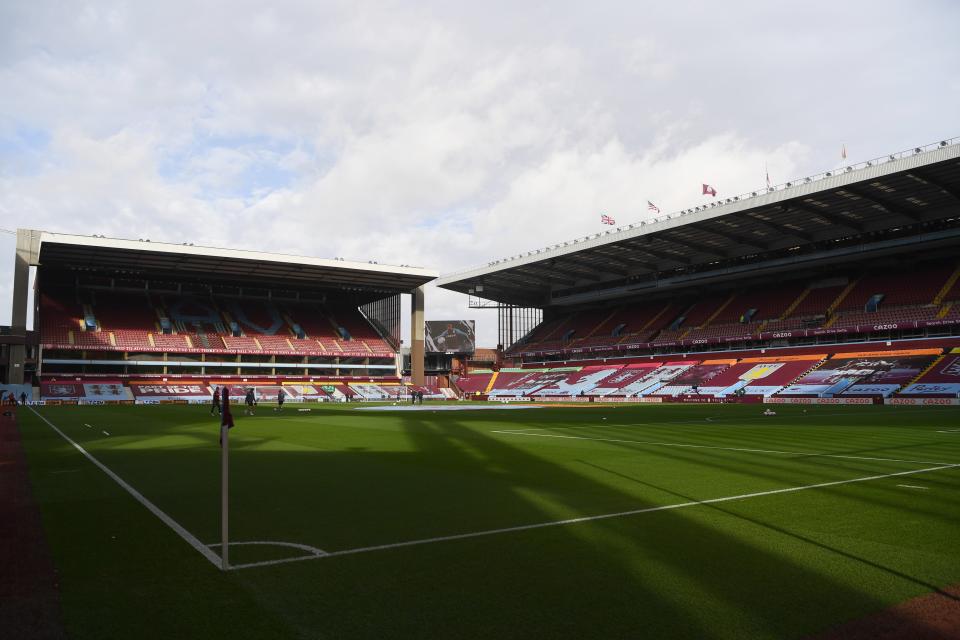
(281, 395)
(251, 401)
(215, 405)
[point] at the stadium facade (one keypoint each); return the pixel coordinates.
(765, 294)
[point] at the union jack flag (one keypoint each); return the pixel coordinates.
(605, 219)
(652, 207)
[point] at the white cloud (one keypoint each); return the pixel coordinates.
(439, 134)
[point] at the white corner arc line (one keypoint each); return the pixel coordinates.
(313, 552)
(273, 543)
(799, 454)
(154, 509)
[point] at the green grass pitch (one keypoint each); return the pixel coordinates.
(764, 563)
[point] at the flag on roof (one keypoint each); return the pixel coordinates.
(709, 191)
(768, 177)
(843, 152)
(605, 219)
(652, 207)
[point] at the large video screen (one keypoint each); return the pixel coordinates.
(450, 336)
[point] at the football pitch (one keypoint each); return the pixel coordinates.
(682, 521)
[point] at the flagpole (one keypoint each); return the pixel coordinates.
(224, 497)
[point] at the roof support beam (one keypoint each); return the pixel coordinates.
(892, 207)
(695, 246)
(832, 218)
(660, 255)
(735, 237)
(946, 188)
(625, 260)
(546, 274)
(597, 271)
(776, 227)
(553, 267)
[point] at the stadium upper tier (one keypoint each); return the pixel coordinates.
(907, 202)
(924, 295)
(113, 321)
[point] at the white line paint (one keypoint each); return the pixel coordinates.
(912, 486)
(154, 509)
(799, 454)
(948, 431)
(87, 426)
(606, 516)
(313, 552)
(105, 433)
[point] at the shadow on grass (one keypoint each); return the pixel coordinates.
(662, 574)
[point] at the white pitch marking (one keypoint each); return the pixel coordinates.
(812, 454)
(912, 486)
(87, 426)
(606, 516)
(313, 551)
(105, 433)
(948, 430)
(154, 509)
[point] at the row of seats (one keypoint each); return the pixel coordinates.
(133, 322)
(930, 293)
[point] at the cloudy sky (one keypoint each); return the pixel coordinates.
(441, 134)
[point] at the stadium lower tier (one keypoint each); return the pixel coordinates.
(927, 372)
(200, 391)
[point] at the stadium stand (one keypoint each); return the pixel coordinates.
(863, 374)
(130, 322)
(940, 379)
(877, 301)
(474, 382)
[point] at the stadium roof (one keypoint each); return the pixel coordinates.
(915, 188)
(181, 260)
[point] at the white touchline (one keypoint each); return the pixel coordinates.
(154, 509)
(911, 486)
(620, 514)
(799, 454)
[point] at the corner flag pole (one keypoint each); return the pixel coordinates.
(224, 496)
